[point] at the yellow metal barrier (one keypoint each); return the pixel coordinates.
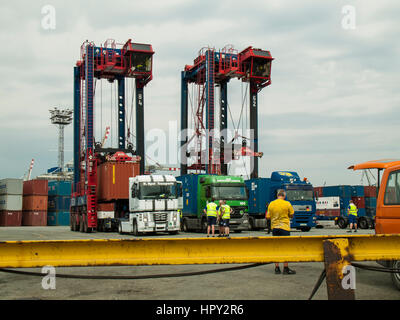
(26, 254)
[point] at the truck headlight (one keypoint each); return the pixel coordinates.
(140, 217)
(175, 217)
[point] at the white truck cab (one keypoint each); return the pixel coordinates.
(154, 201)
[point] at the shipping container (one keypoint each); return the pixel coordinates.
(359, 202)
(11, 202)
(34, 218)
(328, 203)
(58, 218)
(338, 191)
(370, 191)
(59, 188)
(328, 212)
(109, 206)
(113, 180)
(36, 187)
(10, 218)
(59, 203)
(11, 186)
(318, 192)
(357, 191)
(34, 203)
(370, 202)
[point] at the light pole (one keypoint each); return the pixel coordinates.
(61, 118)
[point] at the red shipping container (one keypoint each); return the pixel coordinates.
(370, 191)
(318, 192)
(34, 203)
(328, 213)
(359, 202)
(10, 218)
(113, 179)
(105, 206)
(36, 187)
(34, 218)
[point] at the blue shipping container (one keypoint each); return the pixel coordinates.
(260, 193)
(190, 186)
(58, 218)
(370, 202)
(338, 191)
(59, 188)
(358, 191)
(51, 219)
(59, 203)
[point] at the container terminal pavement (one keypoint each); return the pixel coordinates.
(334, 251)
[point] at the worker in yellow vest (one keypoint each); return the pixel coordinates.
(226, 216)
(220, 221)
(211, 211)
(352, 212)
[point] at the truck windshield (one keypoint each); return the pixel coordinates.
(229, 192)
(299, 195)
(157, 190)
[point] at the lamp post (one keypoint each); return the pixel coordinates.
(61, 118)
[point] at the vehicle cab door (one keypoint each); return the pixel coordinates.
(388, 203)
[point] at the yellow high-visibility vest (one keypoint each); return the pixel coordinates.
(211, 209)
(226, 209)
(353, 210)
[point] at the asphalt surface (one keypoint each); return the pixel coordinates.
(258, 283)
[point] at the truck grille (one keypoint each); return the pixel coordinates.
(236, 212)
(302, 218)
(160, 217)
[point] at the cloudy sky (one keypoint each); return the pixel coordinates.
(334, 98)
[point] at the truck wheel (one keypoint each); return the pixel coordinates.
(185, 227)
(251, 224)
(81, 223)
(305, 229)
(396, 276)
(73, 222)
(135, 229)
(342, 223)
(363, 223)
(204, 225)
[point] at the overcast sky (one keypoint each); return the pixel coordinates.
(334, 98)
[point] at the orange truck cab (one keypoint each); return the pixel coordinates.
(387, 219)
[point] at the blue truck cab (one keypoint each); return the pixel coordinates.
(298, 192)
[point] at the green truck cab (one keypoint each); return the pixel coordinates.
(199, 189)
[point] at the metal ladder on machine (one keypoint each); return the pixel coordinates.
(210, 80)
(91, 163)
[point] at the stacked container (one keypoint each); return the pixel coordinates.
(59, 203)
(10, 202)
(370, 201)
(34, 204)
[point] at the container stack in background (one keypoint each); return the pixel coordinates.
(34, 204)
(333, 201)
(370, 200)
(11, 202)
(59, 203)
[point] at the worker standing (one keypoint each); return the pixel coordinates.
(220, 221)
(226, 216)
(279, 212)
(268, 222)
(211, 211)
(352, 212)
